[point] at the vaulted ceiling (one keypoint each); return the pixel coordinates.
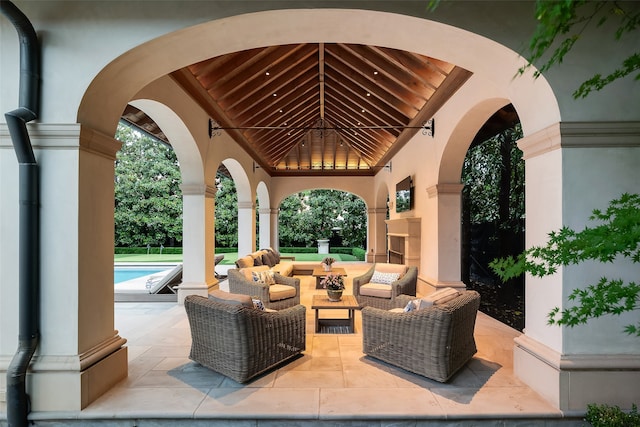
(316, 108)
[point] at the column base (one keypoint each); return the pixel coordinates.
(194, 288)
(71, 383)
(571, 382)
(376, 257)
(426, 286)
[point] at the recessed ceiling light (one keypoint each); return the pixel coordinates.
(375, 73)
(368, 94)
(363, 110)
(275, 94)
(266, 74)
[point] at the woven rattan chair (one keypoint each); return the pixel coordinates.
(405, 286)
(239, 284)
(242, 342)
(434, 342)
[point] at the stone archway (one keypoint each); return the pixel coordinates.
(197, 197)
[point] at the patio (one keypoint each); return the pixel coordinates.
(333, 383)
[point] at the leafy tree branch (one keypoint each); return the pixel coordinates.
(617, 234)
(563, 23)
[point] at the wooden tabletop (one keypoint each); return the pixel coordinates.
(320, 272)
(322, 302)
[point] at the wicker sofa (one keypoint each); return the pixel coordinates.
(267, 257)
(434, 342)
(284, 294)
(384, 296)
(239, 341)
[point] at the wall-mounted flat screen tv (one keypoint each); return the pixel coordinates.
(404, 195)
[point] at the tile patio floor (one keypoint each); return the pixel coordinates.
(333, 383)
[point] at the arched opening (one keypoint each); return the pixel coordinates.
(493, 215)
(337, 217)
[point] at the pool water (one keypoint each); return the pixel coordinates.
(122, 274)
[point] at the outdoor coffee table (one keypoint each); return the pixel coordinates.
(348, 302)
(319, 273)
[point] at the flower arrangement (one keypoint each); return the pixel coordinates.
(334, 282)
(328, 260)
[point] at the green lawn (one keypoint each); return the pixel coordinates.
(229, 258)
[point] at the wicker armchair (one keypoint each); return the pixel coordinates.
(242, 342)
(405, 286)
(434, 342)
(240, 284)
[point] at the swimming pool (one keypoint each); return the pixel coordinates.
(122, 274)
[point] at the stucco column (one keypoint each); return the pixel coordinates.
(265, 227)
(571, 169)
(246, 228)
(198, 245)
(376, 235)
(80, 355)
(442, 249)
(274, 219)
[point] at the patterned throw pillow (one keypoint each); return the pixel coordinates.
(258, 304)
(384, 278)
(411, 305)
(266, 277)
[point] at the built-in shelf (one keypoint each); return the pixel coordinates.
(403, 241)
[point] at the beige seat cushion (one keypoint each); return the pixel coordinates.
(248, 272)
(284, 269)
(441, 296)
(280, 292)
(376, 290)
(391, 268)
(229, 298)
(397, 310)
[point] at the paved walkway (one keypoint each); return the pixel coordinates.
(332, 383)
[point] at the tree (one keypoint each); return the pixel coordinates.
(148, 200)
(567, 20)
(353, 221)
(618, 234)
(313, 214)
(492, 218)
(226, 234)
(291, 227)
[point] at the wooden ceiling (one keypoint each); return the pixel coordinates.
(319, 109)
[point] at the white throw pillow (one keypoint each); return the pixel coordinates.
(384, 278)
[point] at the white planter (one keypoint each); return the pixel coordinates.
(323, 246)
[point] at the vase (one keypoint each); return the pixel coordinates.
(327, 267)
(334, 294)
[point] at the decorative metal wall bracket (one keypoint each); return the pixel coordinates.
(429, 127)
(214, 128)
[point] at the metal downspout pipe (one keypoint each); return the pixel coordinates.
(29, 228)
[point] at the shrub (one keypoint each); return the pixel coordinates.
(359, 253)
(612, 416)
(298, 250)
(143, 250)
(226, 250)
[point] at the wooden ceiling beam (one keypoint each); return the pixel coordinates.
(451, 84)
